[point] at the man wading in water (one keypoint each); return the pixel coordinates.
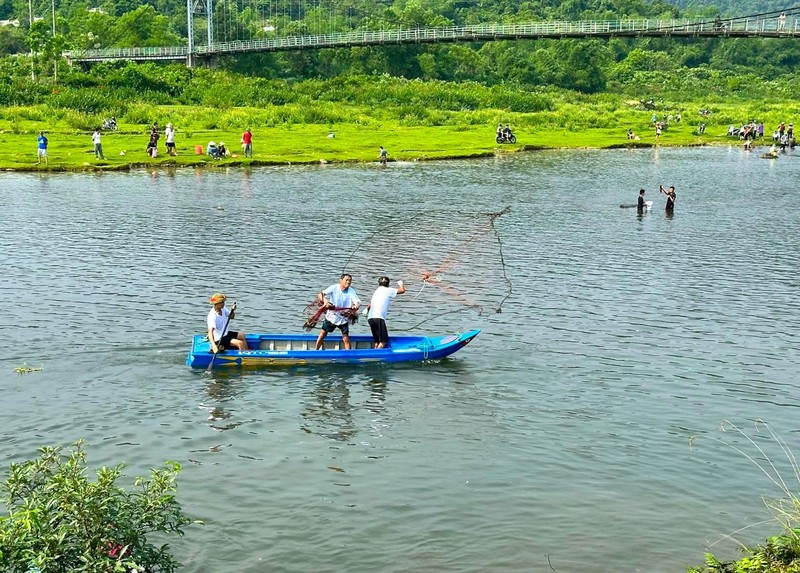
(670, 207)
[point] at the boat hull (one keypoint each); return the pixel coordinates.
(292, 349)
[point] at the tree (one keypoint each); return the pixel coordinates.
(584, 65)
(142, 28)
(12, 40)
(61, 522)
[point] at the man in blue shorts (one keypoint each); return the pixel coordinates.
(338, 296)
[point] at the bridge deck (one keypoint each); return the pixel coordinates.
(739, 28)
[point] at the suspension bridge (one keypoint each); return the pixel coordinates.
(768, 25)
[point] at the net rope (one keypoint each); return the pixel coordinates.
(452, 263)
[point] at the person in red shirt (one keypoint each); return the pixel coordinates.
(247, 143)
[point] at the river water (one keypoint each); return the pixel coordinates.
(581, 430)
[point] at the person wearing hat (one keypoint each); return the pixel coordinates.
(219, 318)
(169, 136)
(222, 150)
(212, 151)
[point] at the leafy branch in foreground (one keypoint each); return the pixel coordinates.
(780, 553)
(58, 521)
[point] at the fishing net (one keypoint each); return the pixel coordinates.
(316, 312)
(452, 265)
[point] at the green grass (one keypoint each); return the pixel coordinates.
(590, 124)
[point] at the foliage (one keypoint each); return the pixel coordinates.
(735, 7)
(780, 553)
(25, 369)
(574, 64)
(59, 521)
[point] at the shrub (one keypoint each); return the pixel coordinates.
(61, 522)
(780, 553)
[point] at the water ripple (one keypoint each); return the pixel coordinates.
(596, 392)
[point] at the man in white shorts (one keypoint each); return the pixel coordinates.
(42, 151)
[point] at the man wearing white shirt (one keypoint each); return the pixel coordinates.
(169, 134)
(344, 298)
(379, 309)
(98, 146)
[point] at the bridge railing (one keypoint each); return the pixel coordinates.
(170, 52)
(453, 33)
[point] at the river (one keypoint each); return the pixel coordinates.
(580, 431)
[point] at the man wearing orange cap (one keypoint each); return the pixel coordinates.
(219, 318)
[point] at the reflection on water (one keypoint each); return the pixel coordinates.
(221, 388)
(377, 395)
(327, 411)
(327, 402)
(624, 335)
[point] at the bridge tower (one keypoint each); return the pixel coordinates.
(198, 7)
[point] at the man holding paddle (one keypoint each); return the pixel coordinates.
(219, 318)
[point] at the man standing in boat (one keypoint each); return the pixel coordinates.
(342, 297)
(219, 318)
(378, 309)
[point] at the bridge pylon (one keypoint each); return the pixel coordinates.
(193, 7)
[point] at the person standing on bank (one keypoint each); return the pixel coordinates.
(378, 309)
(640, 202)
(219, 317)
(169, 136)
(247, 143)
(42, 151)
(670, 206)
(98, 146)
(340, 296)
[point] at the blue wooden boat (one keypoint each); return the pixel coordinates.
(291, 349)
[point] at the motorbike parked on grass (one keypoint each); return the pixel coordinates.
(110, 124)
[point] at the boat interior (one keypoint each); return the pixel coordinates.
(283, 345)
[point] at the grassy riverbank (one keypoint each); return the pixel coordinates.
(599, 122)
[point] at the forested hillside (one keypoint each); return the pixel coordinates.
(639, 67)
(735, 7)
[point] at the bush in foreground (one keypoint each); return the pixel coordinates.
(59, 521)
(780, 553)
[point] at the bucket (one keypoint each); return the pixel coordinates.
(198, 149)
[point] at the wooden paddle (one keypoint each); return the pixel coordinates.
(222, 334)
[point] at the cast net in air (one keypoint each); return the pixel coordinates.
(452, 264)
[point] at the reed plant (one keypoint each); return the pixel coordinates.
(779, 553)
